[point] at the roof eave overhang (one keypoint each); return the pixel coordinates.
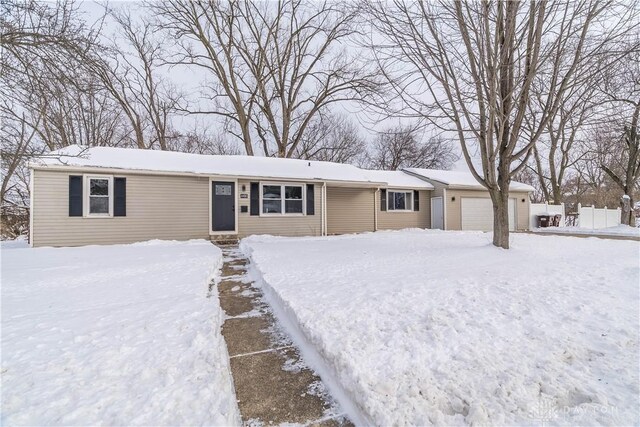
(408, 187)
(459, 187)
(108, 170)
(480, 188)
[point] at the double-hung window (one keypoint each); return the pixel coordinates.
(99, 197)
(293, 199)
(271, 199)
(282, 199)
(399, 200)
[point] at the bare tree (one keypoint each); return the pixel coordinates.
(530, 176)
(46, 100)
(43, 83)
(400, 147)
(332, 138)
(274, 65)
(564, 142)
(617, 154)
(205, 140)
(561, 144)
(619, 150)
(469, 68)
(129, 71)
(50, 35)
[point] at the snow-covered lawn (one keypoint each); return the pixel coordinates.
(114, 335)
(619, 230)
(428, 327)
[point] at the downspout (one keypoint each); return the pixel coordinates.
(375, 209)
(31, 188)
(324, 208)
(444, 209)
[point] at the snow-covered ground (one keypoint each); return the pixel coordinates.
(619, 230)
(114, 335)
(431, 327)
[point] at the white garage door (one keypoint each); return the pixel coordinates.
(477, 214)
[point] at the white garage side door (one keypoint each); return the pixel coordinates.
(477, 214)
(437, 213)
(512, 214)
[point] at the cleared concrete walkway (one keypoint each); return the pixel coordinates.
(273, 384)
(585, 235)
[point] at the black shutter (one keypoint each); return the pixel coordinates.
(416, 200)
(311, 208)
(255, 199)
(75, 195)
(383, 200)
(119, 196)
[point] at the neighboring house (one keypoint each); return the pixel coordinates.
(459, 202)
(104, 195)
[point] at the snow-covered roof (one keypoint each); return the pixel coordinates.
(399, 179)
(223, 165)
(460, 179)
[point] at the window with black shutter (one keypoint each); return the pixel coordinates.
(75, 195)
(400, 201)
(254, 208)
(120, 197)
(310, 199)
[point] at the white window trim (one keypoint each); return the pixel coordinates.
(395, 190)
(282, 198)
(86, 189)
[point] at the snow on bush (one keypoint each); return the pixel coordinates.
(429, 327)
(114, 335)
(17, 243)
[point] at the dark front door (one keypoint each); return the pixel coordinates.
(223, 206)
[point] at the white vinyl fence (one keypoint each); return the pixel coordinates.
(590, 217)
(546, 209)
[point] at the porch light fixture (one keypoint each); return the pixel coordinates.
(453, 199)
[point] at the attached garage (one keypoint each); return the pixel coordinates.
(464, 204)
(477, 213)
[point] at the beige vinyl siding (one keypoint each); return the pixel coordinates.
(350, 210)
(285, 225)
(388, 220)
(158, 207)
(453, 209)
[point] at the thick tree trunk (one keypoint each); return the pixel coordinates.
(557, 194)
(500, 200)
(625, 210)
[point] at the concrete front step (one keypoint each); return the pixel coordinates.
(273, 384)
(224, 239)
